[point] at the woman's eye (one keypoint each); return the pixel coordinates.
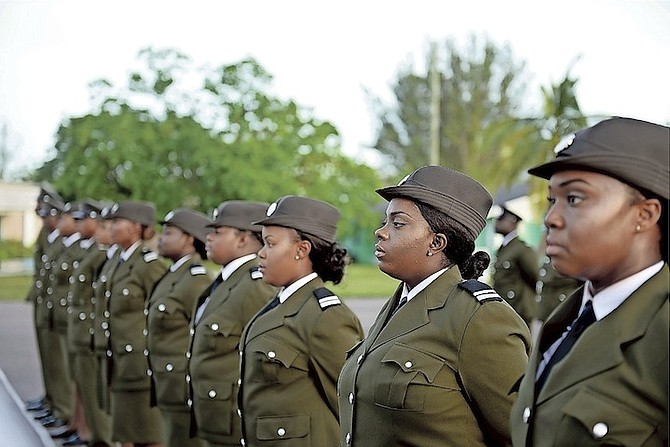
(398, 224)
(573, 199)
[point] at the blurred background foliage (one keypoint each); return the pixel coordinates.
(179, 135)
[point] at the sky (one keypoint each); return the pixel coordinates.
(324, 54)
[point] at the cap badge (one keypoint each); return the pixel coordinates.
(404, 179)
(215, 213)
(565, 142)
(169, 216)
(114, 208)
(271, 209)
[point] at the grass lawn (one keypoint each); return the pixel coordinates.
(360, 281)
(14, 288)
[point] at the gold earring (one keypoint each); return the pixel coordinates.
(638, 228)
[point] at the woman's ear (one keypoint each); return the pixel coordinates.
(304, 247)
(649, 213)
(439, 242)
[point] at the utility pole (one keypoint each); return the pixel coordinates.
(435, 96)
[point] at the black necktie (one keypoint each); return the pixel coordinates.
(217, 282)
(271, 305)
(401, 302)
(584, 320)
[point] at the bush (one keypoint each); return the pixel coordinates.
(14, 250)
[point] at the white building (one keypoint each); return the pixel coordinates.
(18, 220)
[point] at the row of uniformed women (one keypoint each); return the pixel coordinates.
(446, 357)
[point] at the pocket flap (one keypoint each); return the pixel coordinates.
(608, 420)
(168, 363)
(282, 427)
(413, 360)
(276, 351)
(213, 390)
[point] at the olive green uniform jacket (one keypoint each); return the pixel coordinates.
(133, 418)
(214, 365)
(552, 289)
(612, 387)
(515, 276)
(101, 331)
(44, 284)
(41, 245)
(132, 282)
(291, 358)
(64, 265)
(443, 371)
(170, 310)
(80, 317)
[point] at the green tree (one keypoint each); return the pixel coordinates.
(479, 88)
(229, 139)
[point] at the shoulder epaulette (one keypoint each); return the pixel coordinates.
(198, 270)
(255, 273)
(326, 298)
(150, 256)
(482, 292)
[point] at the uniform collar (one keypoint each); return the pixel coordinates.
(508, 237)
(290, 290)
(180, 262)
(611, 297)
(126, 254)
(71, 239)
(53, 236)
(422, 285)
(233, 265)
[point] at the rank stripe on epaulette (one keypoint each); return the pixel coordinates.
(486, 294)
(198, 270)
(151, 256)
(328, 301)
(481, 291)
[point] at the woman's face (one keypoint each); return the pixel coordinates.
(173, 243)
(590, 224)
(221, 243)
(403, 242)
(125, 232)
(277, 257)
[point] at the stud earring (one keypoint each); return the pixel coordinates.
(430, 253)
(297, 258)
(637, 228)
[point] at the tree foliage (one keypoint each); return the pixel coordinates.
(485, 129)
(229, 138)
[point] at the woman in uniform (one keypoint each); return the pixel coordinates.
(170, 310)
(134, 421)
(293, 349)
(599, 372)
(442, 362)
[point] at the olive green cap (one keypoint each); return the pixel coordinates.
(239, 214)
(140, 212)
(189, 221)
(87, 209)
(49, 202)
(632, 151)
(307, 215)
(449, 191)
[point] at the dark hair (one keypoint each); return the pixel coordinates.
(460, 244)
(257, 234)
(200, 248)
(328, 260)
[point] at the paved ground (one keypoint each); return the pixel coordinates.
(20, 363)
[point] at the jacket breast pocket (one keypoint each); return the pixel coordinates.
(279, 362)
(169, 374)
(405, 377)
(601, 420)
(214, 405)
(168, 316)
(221, 337)
(279, 430)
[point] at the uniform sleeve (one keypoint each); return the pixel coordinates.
(528, 266)
(335, 331)
(492, 359)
